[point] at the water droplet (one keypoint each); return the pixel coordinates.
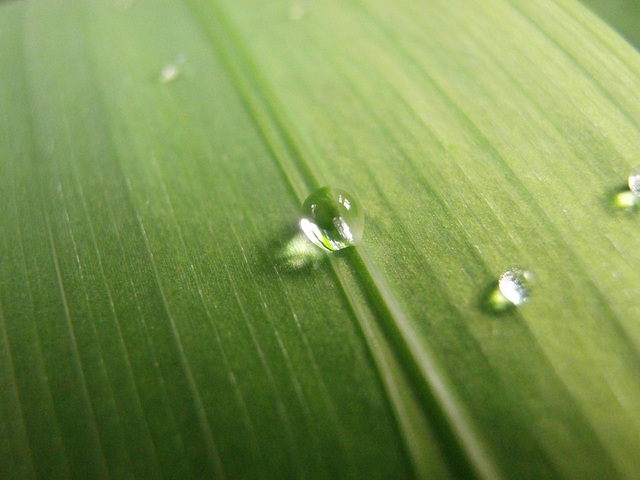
(634, 180)
(512, 290)
(627, 198)
(514, 285)
(332, 218)
(171, 71)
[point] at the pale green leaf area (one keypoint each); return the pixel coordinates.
(162, 317)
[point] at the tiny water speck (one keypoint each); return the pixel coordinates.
(332, 219)
(634, 180)
(171, 71)
(512, 290)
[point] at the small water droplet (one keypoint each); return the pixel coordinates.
(627, 198)
(512, 290)
(514, 285)
(171, 71)
(332, 218)
(634, 180)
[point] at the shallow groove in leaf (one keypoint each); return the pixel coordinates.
(299, 169)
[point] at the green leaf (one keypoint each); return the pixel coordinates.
(161, 316)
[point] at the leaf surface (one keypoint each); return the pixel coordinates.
(162, 317)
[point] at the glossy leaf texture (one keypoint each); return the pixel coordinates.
(162, 317)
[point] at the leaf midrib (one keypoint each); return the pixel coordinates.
(284, 145)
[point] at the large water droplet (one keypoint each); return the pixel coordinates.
(634, 180)
(332, 218)
(513, 289)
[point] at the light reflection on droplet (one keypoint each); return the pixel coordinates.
(169, 73)
(626, 200)
(173, 70)
(298, 253)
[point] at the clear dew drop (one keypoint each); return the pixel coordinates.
(172, 70)
(512, 290)
(169, 73)
(332, 219)
(514, 285)
(634, 180)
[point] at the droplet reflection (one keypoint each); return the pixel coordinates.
(626, 200)
(298, 254)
